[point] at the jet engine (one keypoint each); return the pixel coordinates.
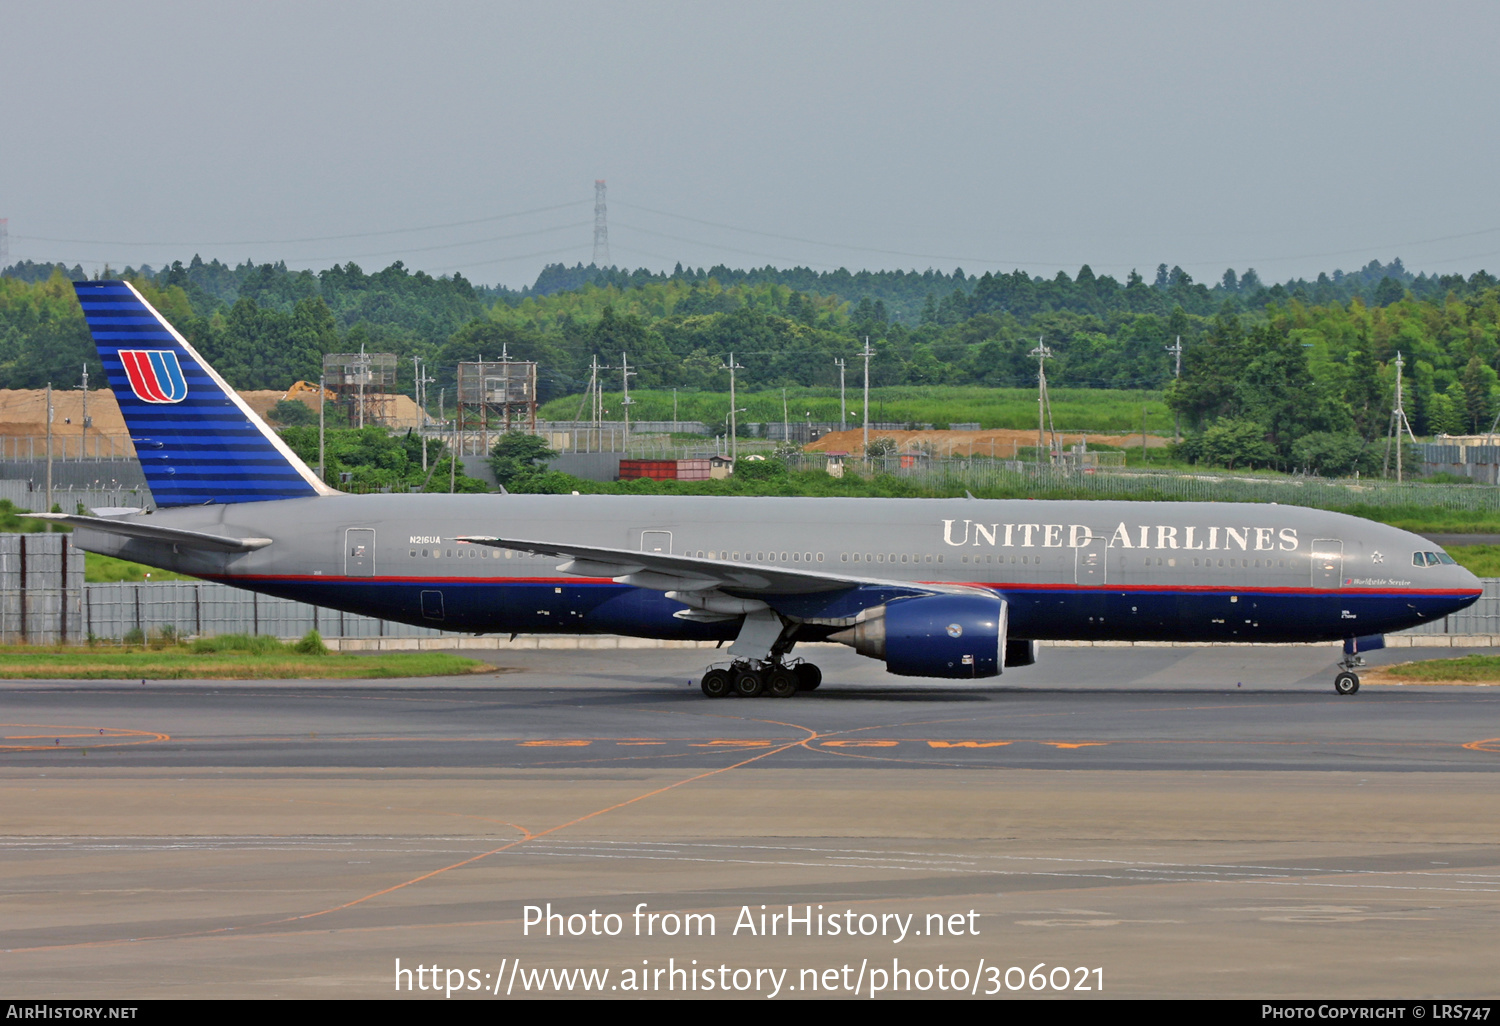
(960, 636)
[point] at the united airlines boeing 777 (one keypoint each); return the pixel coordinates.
(948, 588)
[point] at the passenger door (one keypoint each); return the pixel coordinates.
(1327, 563)
(359, 552)
(1089, 560)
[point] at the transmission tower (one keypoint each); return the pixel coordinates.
(601, 226)
(4, 243)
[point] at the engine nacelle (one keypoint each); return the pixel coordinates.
(961, 636)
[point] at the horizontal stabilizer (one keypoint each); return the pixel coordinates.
(134, 528)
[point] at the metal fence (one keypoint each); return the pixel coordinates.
(1322, 493)
(22, 495)
(41, 589)
(111, 611)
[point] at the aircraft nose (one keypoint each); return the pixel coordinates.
(1468, 585)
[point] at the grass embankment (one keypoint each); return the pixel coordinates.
(1469, 669)
(1479, 560)
(226, 657)
(99, 569)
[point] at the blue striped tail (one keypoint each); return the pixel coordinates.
(197, 440)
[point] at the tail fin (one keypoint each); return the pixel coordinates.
(197, 440)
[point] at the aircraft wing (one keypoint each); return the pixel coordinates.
(134, 528)
(663, 572)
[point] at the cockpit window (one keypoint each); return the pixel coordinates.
(1432, 559)
(1418, 559)
(1443, 557)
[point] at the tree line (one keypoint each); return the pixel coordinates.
(1264, 371)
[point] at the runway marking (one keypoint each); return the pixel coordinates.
(97, 737)
(1491, 744)
(833, 744)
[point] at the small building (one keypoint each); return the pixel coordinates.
(720, 467)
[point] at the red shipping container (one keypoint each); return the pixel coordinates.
(659, 470)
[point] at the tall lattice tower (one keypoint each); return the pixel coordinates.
(601, 226)
(4, 243)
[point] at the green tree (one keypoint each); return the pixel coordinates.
(518, 456)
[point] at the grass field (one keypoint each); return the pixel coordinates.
(228, 657)
(1479, 560)
(99, 569)
(1112, 411)
(1469, 669)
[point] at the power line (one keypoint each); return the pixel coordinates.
(452, 245)
(315, 238)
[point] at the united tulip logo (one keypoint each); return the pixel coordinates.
(155, 375)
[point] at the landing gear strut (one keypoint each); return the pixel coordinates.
(751, 679)
(1347, 681)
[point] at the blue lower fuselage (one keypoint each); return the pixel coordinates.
(1041, 612)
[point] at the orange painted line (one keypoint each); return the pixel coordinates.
(530, 837)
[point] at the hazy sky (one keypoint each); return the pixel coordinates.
(1288, 137)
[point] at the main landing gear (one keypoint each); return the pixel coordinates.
(751, 679)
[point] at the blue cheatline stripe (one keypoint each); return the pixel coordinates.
(200, 446)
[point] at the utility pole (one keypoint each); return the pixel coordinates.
(322, 469)
(867, 354)
(49, 447)
(786, 428)
(416, 394)
(674, 409)
(1176, 416)
(1399, 424)
(625, 375)
(734, 434)
(843, 415)
(1043, 405)
(362, 371)
(421, 395)
(84, 444)
(594, 414)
